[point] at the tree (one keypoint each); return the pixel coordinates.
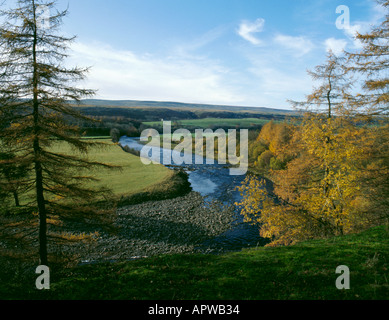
(115, 135)
(315, 195)
(267, 151)
(35, 91)
(328, 100)
(372, 63)
(337, 179)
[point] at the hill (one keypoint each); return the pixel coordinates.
(182, 106)
(116, 114)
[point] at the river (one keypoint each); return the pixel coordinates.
(213, 182)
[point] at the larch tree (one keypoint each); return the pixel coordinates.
(337, 181)
(371, 64)
(36, 95)
(314, 196)
(327, 110)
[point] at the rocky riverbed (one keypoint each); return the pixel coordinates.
(179, 225)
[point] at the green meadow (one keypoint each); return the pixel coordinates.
(132, 177)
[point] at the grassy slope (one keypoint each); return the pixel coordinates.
(134, 176)
(304, 271)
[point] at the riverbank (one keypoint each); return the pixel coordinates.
(164, 218)
(171, 226)
(174, 185)
(131, 177)
(136, 184)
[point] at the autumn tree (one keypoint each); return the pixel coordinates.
(370, 64)
(267, 150)
(35, 91)
(315, 195)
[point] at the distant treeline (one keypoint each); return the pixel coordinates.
(129, 121)
(156, 114)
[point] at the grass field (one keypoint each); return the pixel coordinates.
(134, 176)
(212, 122)
(306, 271)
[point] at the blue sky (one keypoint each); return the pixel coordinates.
(233, 52)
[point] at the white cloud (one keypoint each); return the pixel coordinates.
(185, 49)
(377, 14)
(273, 79)
(125, 75)
(335, 45)
(299, 45)
(247, 28)
(277, 85)
(352, 31)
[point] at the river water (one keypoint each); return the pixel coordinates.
(213, 182)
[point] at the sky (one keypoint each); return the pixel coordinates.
(230, 52)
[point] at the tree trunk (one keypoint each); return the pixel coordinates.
(16, 197)
(42, 214)
(327, 138)
(37, 154)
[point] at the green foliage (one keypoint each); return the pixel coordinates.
(276, 164)
(213, 123)
(257, 150)
(264, 159)
(115, 135)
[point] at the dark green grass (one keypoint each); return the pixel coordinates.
(302, 272)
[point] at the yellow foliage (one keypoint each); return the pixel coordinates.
(275, 136)
(320, 193)
(91, 237)
(55, 221)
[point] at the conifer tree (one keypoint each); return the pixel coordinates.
(36, 93)
(338, 180)
(314, 196)
(372, 63)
